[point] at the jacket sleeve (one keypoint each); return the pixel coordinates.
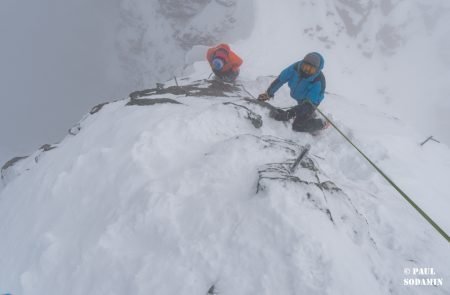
(315, 94)
(285, 75)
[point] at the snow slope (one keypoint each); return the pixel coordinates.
(160, 197)
(188, 193)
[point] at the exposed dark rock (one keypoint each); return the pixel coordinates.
(198, 88)
(263, 104)
(148, 101)
(75, 129)
(47, 147)
(319, 206)
(278, 172)
(43, 149)
(11, 163)
(308, 163)
(252, 116)
(329, 186)
(282, 172)
(97, 108)
(212, 290)
(328, 212)
(175, 90)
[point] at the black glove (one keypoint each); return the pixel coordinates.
(263, 97)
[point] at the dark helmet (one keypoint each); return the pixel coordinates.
(314, 59)
(312, 63)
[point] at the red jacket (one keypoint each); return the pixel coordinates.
(232, 62)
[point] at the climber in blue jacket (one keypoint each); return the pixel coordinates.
(307, 84)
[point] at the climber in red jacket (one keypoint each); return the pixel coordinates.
(224, 62)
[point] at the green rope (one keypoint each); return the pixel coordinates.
(391, 182)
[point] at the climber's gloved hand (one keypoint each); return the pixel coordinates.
(263, 96)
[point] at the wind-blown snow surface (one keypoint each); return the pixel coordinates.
(175, 198)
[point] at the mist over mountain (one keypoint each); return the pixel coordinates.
(155, 35)
(62, 58)
(57, 60)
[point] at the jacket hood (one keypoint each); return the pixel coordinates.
(315, 59)
(322, 60)
(321, 65)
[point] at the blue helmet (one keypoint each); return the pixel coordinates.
(217, 64)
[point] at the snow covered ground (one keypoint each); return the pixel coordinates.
(190, 192)
(174, 198)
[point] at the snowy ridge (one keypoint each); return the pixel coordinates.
(180, 189)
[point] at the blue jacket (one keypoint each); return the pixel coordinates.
(307, 88)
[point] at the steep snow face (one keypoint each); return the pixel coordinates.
(172, 193)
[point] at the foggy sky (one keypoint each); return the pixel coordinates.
(56, 61)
